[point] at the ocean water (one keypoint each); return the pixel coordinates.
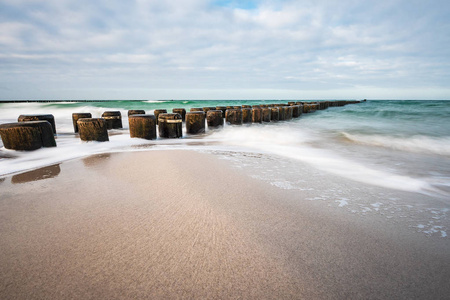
(399, 151)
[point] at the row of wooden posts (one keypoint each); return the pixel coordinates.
(35, 131)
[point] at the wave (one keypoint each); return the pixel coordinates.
(310, 139)
(300, 146)
(416, 144)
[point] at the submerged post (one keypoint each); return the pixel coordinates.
(29, 135)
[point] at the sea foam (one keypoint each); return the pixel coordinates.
(302, 146)
(417, 143)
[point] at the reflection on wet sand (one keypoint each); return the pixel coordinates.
(39, 174)
(94, 160)
(2, 179)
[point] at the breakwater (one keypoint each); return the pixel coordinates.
(18, 136)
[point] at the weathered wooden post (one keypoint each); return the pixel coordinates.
(27, 135)
(196, 109)
(181, 112)
(156, 112)
(214, 118)
(296, 111)
(306, 108)
(223, 109)
(195, 122)
(136, 112)
(76, 116)
(234, 116)
(274, 114)
(142, 126)
(246, 115)
(256, 114)
(288, 112)
(113, 119)
(45, 117)
(206, 109)
(170, 125)
(93, 129)
(266, 114)
(281, 113)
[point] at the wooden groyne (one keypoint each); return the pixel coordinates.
(36, 131)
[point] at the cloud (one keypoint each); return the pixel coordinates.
(195, 45)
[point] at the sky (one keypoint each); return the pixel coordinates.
(224, 49)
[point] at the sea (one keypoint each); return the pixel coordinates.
(390, 158)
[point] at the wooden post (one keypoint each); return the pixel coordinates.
(195, 122)
(181, 112)
(113, 119)
(93, 129)
(170, 126)
(214, 118)
(234, 116)
(45, 117)
(76, 116)
(142, 126)
(27, 135)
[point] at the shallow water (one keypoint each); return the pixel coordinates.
(393, 146)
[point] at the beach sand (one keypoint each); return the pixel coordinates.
(182, 224)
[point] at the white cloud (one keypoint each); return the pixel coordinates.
(279, 45)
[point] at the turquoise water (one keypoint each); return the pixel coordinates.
(369, 141)
(400, 118)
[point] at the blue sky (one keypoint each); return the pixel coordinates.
(224, 49)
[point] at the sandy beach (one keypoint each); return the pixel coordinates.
(185, 225)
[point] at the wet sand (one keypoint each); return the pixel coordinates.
(180, 224)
